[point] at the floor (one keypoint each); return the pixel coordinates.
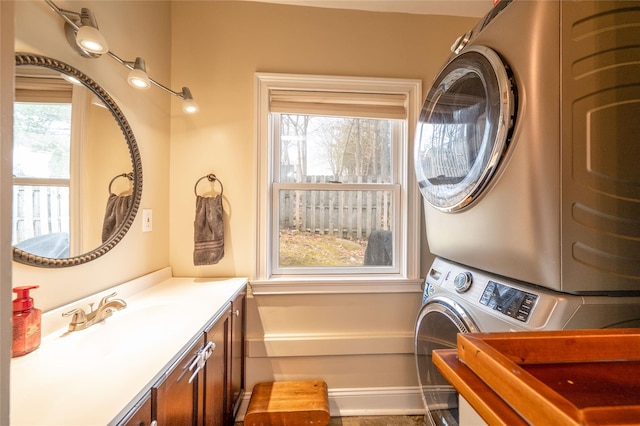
(377, 421)
(373, 421)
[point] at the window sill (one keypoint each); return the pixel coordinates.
(335, 285)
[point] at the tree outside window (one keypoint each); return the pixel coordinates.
(337, 224)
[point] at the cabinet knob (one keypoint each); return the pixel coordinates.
(236, 312)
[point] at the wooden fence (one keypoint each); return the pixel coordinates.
(343, 213)
(39, 210)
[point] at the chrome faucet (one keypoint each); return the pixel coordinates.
(81, 319)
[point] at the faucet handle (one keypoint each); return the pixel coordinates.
(77, 312)
(79, 316)
(106, 298)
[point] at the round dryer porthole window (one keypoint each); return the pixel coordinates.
(464, 129)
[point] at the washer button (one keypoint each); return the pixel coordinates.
(463, 281)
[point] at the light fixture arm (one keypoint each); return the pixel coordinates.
(166, 89)
(64, 14)
(86, 18)
(129, 65)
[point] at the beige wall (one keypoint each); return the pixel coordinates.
(104, 156)
(217, 48)
(39, 30)
(349, 340)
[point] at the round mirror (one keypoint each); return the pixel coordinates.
(76, 185)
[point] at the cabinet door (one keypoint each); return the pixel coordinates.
(141, 413)
(236, 369)
(215, 378)
(177, 396)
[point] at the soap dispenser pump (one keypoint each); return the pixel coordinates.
(26, 322)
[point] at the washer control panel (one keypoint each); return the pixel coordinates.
(508, 300)
(463, 281)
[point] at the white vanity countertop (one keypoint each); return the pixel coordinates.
(88, 377)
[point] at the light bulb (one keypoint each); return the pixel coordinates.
(138, 77)
(190, 106)
(91, 40)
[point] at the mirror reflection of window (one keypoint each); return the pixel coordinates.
(43, 152)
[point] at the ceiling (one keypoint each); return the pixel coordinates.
(470, 8)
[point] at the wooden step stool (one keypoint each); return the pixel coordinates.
(288, 403)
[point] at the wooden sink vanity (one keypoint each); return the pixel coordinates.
(174, 355)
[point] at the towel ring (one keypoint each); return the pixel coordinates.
(211, 178)
(124, 175)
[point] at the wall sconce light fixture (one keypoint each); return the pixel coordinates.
(82, 33)
(138, 77)
(88, 36)
(188, 105)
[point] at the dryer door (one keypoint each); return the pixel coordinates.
(439, 322)
(464, 129)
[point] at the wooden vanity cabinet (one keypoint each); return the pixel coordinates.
(236, 369)
(215, 372)
(194, 392)
(140, 414)
(224, 371)
(175, 398)
(204, 393)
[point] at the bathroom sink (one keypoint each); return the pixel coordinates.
(89, 376)
(121, 334)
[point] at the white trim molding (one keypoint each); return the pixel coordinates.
(331, 285)
(407, 223)
(330, 344)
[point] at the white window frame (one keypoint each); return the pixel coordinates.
(404, 276)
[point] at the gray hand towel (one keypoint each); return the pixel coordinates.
(115, 215)
(208, 231)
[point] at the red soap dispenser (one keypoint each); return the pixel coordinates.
(26, 322)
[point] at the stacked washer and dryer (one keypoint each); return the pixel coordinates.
(527, 154)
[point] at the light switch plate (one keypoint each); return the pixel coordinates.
(147, 220)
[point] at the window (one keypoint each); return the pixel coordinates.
(336, 192)
(41, 152)
(45, 144)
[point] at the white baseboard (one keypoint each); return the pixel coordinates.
(391, 401)
(375, 401)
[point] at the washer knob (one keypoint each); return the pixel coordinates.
(463, 281)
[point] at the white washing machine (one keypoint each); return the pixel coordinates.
(459, 299)
(528, 143)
